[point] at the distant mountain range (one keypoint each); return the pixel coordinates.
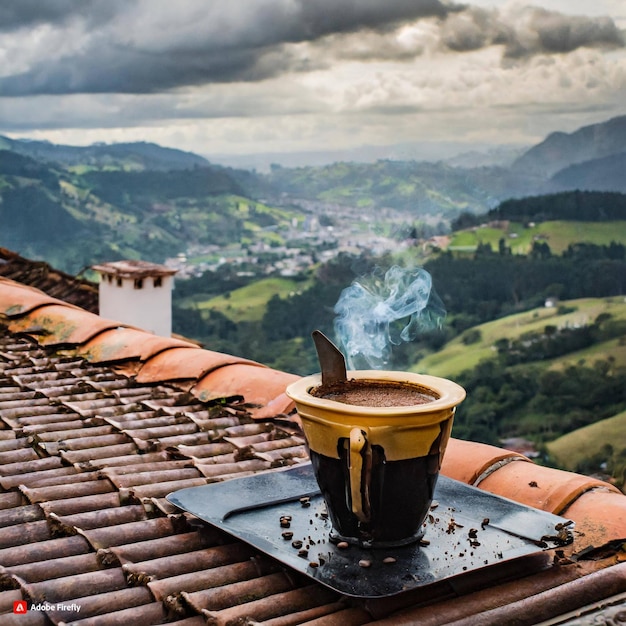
(591, 158)
(604, 174)
(138, 155)
(452, 152)
(561, 150)
(73, 206)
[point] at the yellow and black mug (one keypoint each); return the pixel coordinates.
(376, 444)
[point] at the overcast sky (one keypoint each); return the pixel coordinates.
(250, 76)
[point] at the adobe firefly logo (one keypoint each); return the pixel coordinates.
(20, 607)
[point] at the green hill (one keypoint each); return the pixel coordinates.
(136, 156)
(556, 220)
(596, 447)
(246, 304)
(575, 447)
(417, 188)
(459, 355)
(558, 234)
(73, 217)
(541, 375)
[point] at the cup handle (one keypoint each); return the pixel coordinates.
(358, 441)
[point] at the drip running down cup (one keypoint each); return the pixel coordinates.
(376, 442)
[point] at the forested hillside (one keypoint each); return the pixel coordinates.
(112, 206)
(607, 173)
(580, 206)
(129, 156)
(421, 188)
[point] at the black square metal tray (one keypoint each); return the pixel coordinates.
(467, 529)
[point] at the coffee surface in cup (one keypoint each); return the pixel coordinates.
(371, 393)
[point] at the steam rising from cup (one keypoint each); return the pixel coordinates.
(380, 311)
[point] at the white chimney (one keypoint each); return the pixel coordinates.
(137, 293)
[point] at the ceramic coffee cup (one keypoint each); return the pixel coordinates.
(377, 466)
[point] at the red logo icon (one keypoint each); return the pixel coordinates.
(20, 606)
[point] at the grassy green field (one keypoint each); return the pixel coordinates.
(455, 356)
(248, 303)
(615, 348)
(569, 450)
(558, 235)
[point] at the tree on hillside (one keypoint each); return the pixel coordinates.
(586, 206)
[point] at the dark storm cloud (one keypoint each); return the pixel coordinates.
(324, 17)
(528, 32)
(150, 46)
(558, 33)
(15, 14)
(241, 40)
(136, 71)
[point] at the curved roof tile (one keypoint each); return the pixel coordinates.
(470, 463)
(600, 516)
(257, 385)
(186, 364)
(280, 405)
(541, 487)
(121, 344)
(60, 324)
(17, 299)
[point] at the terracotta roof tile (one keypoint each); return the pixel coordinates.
(57, 568)
(31, 479)
(58, 324)
(256, 385)
(275, 605)
(174, 565)
(17, 299)
(153, 613)
(43, 551)
(185, 364)
(600, 516)
(462, 610)
(469, 463)
(99, 452)
(168, 545)
(341, 617)
(280, 405)
(541, 487)
(53, 282)
(231, 589)
(105, 603)
(121, 343)
(87, 454)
